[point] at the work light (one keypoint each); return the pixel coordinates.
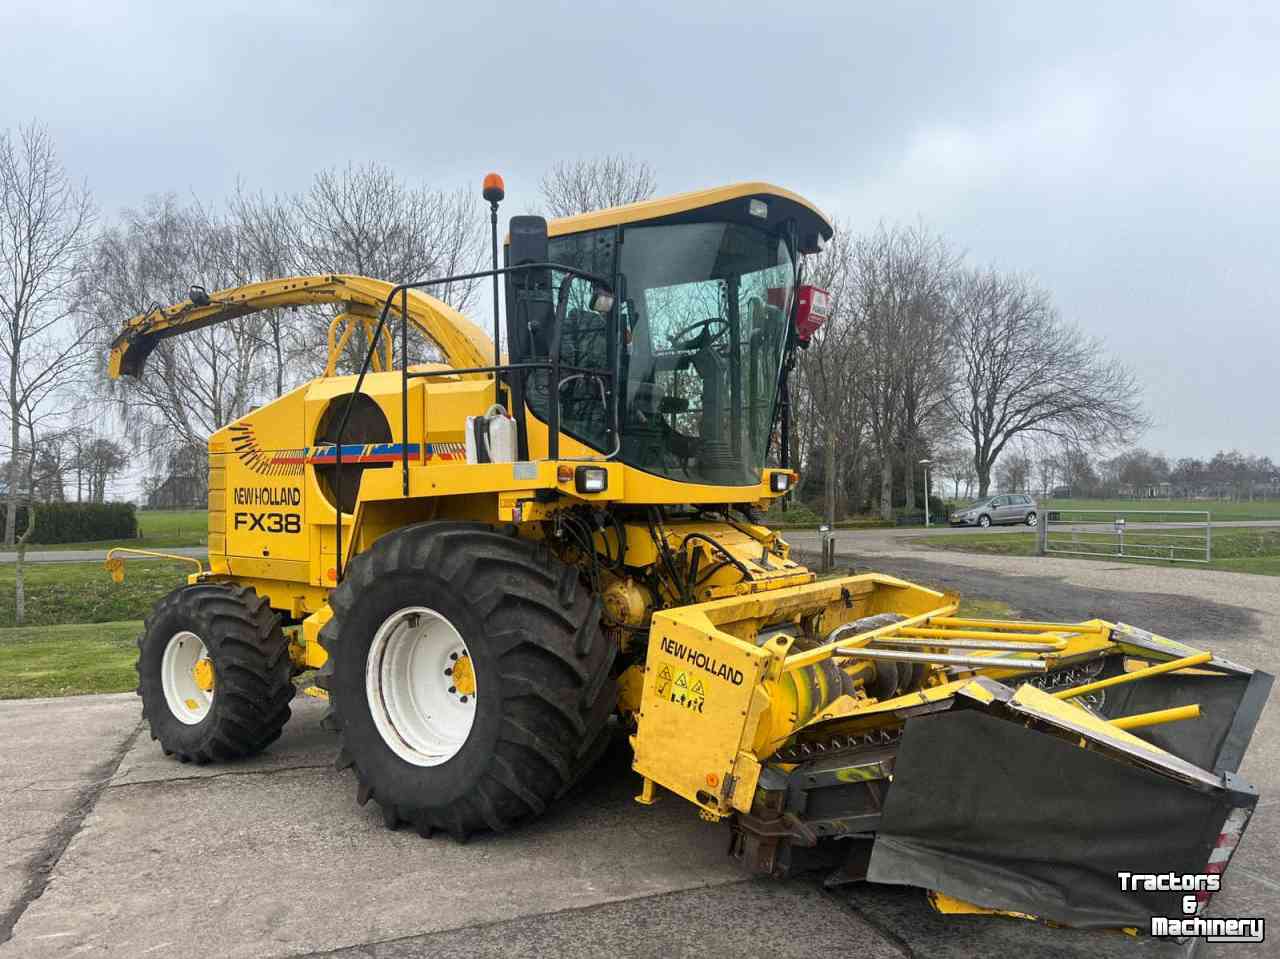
(591, 479)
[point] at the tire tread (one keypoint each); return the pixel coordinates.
(555, 664)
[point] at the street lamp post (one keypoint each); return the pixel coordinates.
(925, 463)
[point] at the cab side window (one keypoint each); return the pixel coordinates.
(583, 341)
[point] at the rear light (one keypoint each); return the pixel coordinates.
(813, 306)
(591, 479)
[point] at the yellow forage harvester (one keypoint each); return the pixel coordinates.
(495, 563)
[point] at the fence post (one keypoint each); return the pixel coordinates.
(1042, 533)
(827, 544)
(1208, 537)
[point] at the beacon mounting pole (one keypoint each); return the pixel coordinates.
(494, 191)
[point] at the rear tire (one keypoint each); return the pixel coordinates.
(1032, 519)
(540, 695)
(237, 631)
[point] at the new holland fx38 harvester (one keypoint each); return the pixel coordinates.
(492, 564)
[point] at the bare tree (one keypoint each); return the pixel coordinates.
(362, 220)
(1015, 469)
(586, 184)
(831, 409)
(104, 459)
(1024, 371)
(926, 270)
(1044, 458)
(48, 471)
(261, 248)
(197, 382)
(45, 225)
(366, 220)
(900, 276)
(955, 464)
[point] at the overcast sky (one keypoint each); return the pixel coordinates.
(1126, 154)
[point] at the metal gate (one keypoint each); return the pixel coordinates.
(1172, 536)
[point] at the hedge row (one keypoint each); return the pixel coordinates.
(77, 522)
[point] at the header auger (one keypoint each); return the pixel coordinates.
(493, 564)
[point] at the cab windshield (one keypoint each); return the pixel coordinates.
(703, 326)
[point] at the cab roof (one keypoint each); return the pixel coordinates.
(726, 202)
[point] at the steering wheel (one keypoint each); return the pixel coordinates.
(684, 340)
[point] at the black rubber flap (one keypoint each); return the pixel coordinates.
(1230, 706)
(1000, 815)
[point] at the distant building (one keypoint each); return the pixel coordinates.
(1146, 490)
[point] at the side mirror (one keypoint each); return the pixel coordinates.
(532, 312)
(528, 240)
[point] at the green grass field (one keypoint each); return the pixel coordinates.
(68, 660)
(98, 657)
(1235, 550)
(174, 527)
(1219, 511)
(71, 593)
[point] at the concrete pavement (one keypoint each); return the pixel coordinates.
(138, 855)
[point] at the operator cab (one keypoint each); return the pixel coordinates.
(695, 334)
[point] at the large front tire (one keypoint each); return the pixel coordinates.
(214, 673)
(469, 675)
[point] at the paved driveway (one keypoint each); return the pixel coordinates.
(107, 848)
(92, 555)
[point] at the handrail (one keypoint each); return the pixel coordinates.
(115, 564)
(402, 290)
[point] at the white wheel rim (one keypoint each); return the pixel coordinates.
(186, 700)
(414, 698)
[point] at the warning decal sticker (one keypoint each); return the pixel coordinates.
(682, 688)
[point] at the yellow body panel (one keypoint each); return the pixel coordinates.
(680, 203)
(463, 343)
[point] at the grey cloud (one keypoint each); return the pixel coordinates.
(1127, 154)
